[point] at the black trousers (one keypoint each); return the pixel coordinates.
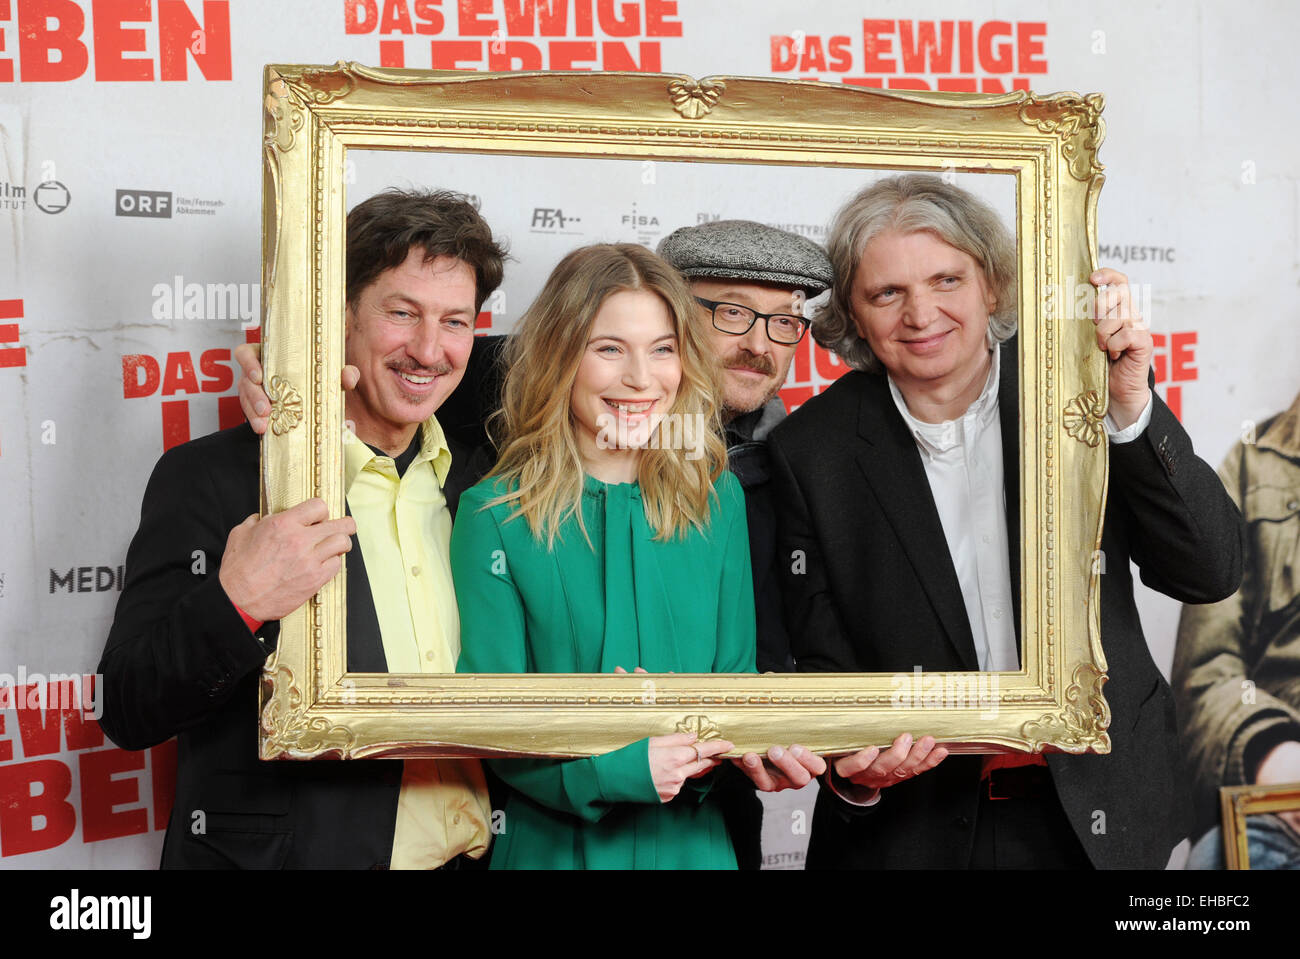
(1026, 830)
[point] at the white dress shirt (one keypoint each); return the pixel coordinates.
(963, 463)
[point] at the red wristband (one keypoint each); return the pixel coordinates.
(253, 624)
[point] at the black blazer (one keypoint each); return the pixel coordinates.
(878, 593)
(179, 661)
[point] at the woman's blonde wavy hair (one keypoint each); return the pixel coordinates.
(534, 429)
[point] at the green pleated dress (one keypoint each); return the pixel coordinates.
(686, 606)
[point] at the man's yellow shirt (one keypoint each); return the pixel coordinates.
(404, 528)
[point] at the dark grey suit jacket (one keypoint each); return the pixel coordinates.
(880, 594)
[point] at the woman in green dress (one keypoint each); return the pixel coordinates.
(608, 538)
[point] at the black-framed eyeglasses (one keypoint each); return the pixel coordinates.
(783, 328)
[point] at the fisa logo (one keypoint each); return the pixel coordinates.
(150, 203)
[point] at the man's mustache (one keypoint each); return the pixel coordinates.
(750, 361)
(410, 366)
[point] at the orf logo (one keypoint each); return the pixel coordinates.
(149, 203)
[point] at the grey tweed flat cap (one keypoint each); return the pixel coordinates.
(744, 250)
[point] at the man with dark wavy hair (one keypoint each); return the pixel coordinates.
(207, 579)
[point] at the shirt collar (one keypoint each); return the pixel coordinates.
(357, 456)
(937, 438)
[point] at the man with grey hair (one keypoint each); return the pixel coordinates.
(900, 486)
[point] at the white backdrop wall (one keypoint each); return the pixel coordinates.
(129, 214)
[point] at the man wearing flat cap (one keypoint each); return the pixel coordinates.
(753, 284)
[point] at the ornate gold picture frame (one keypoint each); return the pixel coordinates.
(1238, 802)
(1045, 145)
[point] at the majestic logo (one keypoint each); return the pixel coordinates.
(816, 231)
(150, 203)
(51, 197)
(1137, 254)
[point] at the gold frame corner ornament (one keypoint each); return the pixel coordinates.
(287, 729)
(1081, 725)
(1238, 802)
(1047, 148)
(1077, 121)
